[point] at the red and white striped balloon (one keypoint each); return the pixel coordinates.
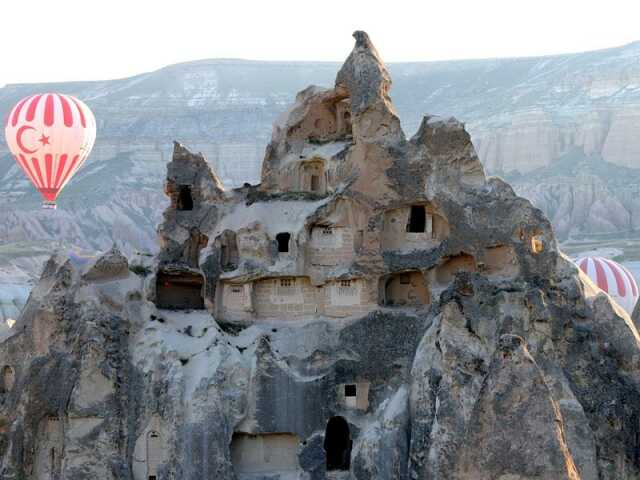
(51, 136)
(612, 278)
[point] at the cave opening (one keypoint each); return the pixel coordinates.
(351, 395)
(185, 198)
(406, 289)
(350, 390)
(338, 444)
(283, 239)
(417, 219)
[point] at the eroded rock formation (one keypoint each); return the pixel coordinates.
(374, 308)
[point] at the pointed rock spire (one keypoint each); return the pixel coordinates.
(368, 82)
(187, 168)
(364, 75)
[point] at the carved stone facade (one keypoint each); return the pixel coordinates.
(375, 308)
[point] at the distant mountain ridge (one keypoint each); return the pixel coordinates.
(524, 114)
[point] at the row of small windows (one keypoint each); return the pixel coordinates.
(289, 282)
(419, 221)
(184, 201)
(184, 290)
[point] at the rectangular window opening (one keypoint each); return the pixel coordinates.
(350, 390)
(417, 219)
(283, 240)
(185, 198)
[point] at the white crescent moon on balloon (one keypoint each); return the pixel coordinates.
(19, 134)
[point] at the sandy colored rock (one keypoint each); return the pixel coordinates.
(375, 308)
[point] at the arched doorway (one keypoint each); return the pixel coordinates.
(337, 444)
(154, 454)
(8, 379)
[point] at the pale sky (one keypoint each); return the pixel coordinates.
(60, 40)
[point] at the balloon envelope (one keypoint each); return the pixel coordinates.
(612, 278)
(50, 136)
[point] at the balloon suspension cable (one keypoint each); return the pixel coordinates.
(49, 205)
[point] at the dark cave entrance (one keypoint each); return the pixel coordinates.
(337, 444)
(283, 239)
(179, 291)
(185, 198)
(417, 219)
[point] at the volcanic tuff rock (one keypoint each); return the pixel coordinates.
(551, 119)
(375, 308)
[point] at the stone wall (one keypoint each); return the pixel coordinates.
(49, 449)
(343, 298)
(294, 297)
(330, 246)
(235, 301)
(271, 453)
(285, 298)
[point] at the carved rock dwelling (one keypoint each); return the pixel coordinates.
(376, 308)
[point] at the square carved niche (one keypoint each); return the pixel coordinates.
(354, 395)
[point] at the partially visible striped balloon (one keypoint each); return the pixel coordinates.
(51, 136)
(612, 278)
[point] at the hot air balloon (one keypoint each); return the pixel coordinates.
(51, 136)
(613, 279)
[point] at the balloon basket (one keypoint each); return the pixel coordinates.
(49, 205)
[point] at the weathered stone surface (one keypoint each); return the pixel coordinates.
(375, 308)
(111, 265)
(560, 129)
(516, 420)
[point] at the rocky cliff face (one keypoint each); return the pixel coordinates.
(583, 195)
(374, 308)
